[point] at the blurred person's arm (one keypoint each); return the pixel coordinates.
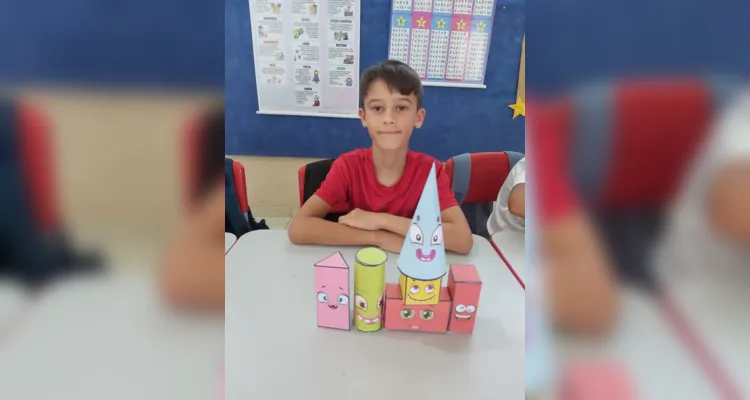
(582, 287)
(517, 200)
(193, 272)
(510, 208)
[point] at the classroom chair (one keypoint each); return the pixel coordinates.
(238, 218)
(38, 160)
(310, 177)
(240, 185)
(36, 157)
(626, 190)
(476, 179)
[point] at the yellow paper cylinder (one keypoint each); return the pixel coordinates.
(369, 289)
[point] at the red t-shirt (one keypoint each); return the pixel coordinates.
(352, 180)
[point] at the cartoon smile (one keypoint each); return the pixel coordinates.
(333, 306)
(368, 321)
(426, 257)
(463, 317)
(415, 327)
(422, 300)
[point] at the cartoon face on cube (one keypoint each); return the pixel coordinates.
(419, 292)
(464, 286)
(422, 259)
(332, 292)
(369, 289)
(421, 318)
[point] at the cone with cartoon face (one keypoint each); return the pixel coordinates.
(422, 259)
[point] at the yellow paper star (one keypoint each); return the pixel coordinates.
(420, 22)
(460, 25)
(519, 108)
(401, 21)
(441, 24)
(480, 26)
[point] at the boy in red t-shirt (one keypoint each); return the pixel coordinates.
(381, 184)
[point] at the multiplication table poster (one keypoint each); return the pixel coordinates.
(445, 41)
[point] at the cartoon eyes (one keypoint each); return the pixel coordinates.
(414, 289)
(415, 234)
(380, 302)
(407, 313)
(426, 315)
(361, 303)
(417, 237)
(437, 236)
(322, 297)
(429, 289)
(463, 308)
(343, 299)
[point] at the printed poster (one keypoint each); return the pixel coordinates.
(306, 56)
(445, 41)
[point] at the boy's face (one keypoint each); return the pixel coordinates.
(390, 116)
(728, 203)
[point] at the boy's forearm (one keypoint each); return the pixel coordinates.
(311, 230)
(453, 234)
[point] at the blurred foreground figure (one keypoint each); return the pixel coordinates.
(609, 160)
(193, 270)
(34, 246)
(709, 228)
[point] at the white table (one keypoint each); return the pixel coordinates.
(12, 302)
(512, 245)
(111, 338)
(644, 343)
(275, 350)
(716, 309)
(229, 240)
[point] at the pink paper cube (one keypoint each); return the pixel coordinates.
(596, 382)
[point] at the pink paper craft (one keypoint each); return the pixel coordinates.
(596, 381)
(332, 292)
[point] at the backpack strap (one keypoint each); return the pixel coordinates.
(724, 90)
(592, 138)
(513, 158)
(461, 176)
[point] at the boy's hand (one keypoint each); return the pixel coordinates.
(360, 219)
(389, 241)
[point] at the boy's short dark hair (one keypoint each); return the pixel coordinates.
(397, 75)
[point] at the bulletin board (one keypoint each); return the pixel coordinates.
(458, 120)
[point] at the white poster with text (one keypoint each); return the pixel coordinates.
(306, 55)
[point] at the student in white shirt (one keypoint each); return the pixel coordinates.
(708, 235)
(510, 208)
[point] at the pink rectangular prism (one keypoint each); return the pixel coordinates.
(419, 318)
(332, 292)
(464, 286)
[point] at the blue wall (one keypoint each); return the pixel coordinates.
(569, 43)
(458, 120)
(173, 43)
